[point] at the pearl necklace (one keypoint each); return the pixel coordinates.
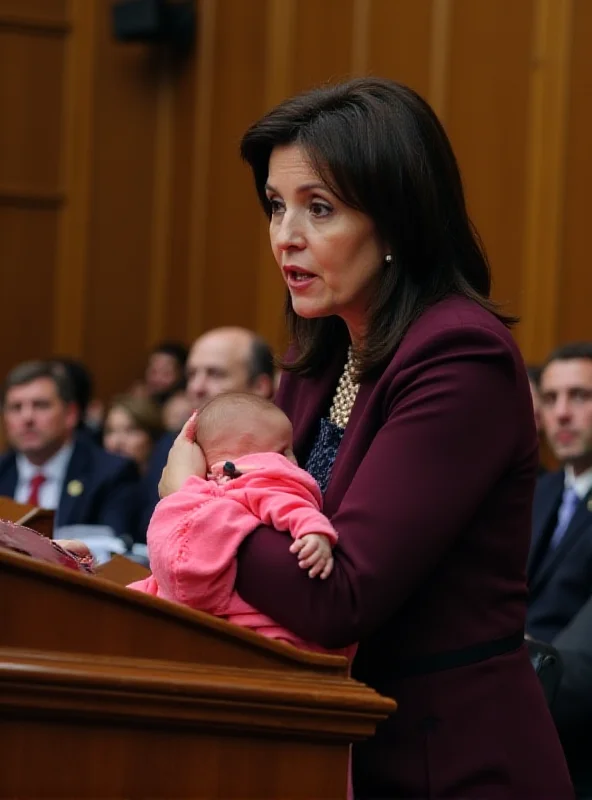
(345, 395)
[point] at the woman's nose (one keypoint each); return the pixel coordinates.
(289, 232)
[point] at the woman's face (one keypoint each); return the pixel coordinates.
(329, 253)
(124, 437)
(162, 373)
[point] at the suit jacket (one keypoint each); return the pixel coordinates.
(572, 708)
(560, 582)
(110, 485)
(431, 495)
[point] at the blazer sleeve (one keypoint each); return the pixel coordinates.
(452, 399)
(572, 707)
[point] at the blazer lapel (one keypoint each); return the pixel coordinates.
(73, 490)
(312, 397)
(581, 519)
(547, 500)
(345, 465)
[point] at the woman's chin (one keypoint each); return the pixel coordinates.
(308, 310)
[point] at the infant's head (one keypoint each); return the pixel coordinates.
(233, 425)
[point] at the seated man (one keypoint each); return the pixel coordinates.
(50, 465)
(560, 561)
(221, 360)
(572, 709)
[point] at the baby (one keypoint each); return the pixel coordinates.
(248, 476)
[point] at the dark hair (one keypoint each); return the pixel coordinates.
(80, 379)
(261, 360)
(534, 374)
(569, 352)
(30, 371)
(177, 350)
(381, 149)
(145, 414)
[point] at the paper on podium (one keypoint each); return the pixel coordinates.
(34, 544)
(100, 540)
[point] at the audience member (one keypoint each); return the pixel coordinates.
(222, 360)
(572, 707)
(164, 374)
(132, 427)
(91, 410)
(560, 563)
(176, 411)
(52, 466)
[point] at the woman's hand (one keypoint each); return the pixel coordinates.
(74, 546)
(185, 459)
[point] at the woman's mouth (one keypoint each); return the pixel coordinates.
(298, 278)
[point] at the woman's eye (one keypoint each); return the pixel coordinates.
(275, 206)
(320, 209)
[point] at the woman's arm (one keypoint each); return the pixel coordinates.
(450, 434)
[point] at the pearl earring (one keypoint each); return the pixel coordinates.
(388, 258)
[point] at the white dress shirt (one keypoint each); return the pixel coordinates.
(581, 484)
(54, 470)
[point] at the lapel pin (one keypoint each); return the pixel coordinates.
(589, 504)
(75, 488)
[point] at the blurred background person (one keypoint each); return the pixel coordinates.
(50, 464)
(132, 426)
(176, 411)
(560, 562)
(228, 359)
(91, 409)
(164, 374)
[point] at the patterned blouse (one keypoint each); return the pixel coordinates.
(323, 453)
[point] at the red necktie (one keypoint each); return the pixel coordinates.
(36, 482)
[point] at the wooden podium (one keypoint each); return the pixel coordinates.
(108, 693)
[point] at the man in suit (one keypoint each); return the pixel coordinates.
(52, 466)
(572, 707)
(560, 562)
(222, 360)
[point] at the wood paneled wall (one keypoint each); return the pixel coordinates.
(126, 215)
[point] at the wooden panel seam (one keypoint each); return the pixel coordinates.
(30, 198)
(204, 97)
(10, 23)
(360, 36)
(439, 56)
(72, 255)
(161, 220)
(545, 187)
(281, 15)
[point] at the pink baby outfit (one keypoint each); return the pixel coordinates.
(195, 533)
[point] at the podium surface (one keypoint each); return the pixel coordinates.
(109, 693)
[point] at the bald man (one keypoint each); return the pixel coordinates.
(221, 360)
(228, 360)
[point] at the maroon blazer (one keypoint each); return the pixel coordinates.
(431, 495)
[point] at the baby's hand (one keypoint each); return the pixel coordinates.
(314, 554)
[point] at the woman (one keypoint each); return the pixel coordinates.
(132, 426)
(164, 374)
(411, 406)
